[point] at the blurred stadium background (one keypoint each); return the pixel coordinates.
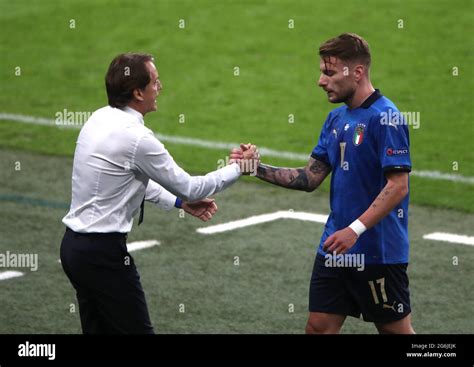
(255, 279)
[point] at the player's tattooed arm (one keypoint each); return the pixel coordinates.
(391, 195)
(292, 178)
(305, 178)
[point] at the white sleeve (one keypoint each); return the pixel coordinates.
(152, 159)
(157, 194)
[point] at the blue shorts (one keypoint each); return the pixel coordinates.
(379, 292)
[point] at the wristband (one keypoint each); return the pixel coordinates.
(178, 203)
(358, 227)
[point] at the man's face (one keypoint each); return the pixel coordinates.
(336, 79)
(152, 90)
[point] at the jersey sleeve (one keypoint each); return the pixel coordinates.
(320, 151)
(393, 145)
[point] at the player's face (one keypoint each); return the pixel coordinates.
(153, 88)
(336, 80)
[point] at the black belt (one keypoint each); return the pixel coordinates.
(107, 236)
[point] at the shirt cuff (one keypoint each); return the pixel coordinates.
(166, 200)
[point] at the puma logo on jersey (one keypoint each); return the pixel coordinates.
(391, 307)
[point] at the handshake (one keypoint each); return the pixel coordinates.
(247, 157)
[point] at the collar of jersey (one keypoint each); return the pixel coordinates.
(134, 113)
(371, 99)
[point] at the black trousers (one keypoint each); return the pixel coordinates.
(110, 295)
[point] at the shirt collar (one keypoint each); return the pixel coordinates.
(371, 99)
(134, 113)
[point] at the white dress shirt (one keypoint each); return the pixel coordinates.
(117, 162)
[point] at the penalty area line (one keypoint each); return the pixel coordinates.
(263, 218)
(140, 245)
(4, 275)
(318, 218)
(450, 237)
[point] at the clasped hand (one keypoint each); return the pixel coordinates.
(247, 157)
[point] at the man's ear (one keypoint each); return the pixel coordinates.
(359, 71)
(138, 95)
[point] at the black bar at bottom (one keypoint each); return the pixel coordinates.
(432, 348)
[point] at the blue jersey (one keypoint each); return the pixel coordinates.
(361, 145)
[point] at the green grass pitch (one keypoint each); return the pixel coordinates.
(54, 57)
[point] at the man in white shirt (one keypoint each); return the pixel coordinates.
(118, 164)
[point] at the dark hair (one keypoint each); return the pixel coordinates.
(126, 73)
(347, 47)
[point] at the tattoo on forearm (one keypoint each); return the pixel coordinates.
(294, 178)
(300, 181)
(319, 167)
(381, 198)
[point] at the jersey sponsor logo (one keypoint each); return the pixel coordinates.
(359, 133)
(392, 151)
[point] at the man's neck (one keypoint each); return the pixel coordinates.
(137, 108)
(360, 95)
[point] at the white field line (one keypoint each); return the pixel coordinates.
(4, 275)
(433, 175)
(318, 218)
(263, 218)
(140, 245)
(450, 237)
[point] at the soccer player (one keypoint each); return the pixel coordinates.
(368, 156)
